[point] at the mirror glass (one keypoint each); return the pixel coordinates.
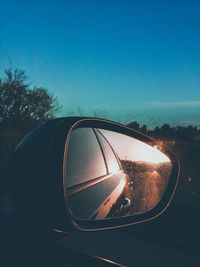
(108, 174)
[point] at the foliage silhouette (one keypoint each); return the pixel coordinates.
(22, 106)
(166, 132)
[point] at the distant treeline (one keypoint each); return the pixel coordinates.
(166, 132)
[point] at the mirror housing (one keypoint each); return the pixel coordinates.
(38, 170)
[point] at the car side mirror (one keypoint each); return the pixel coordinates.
(115, 176)
(91, 174)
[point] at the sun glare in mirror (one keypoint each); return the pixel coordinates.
(149, 154)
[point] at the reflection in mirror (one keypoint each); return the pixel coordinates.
(109, 174)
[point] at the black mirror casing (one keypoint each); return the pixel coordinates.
(126, 220)
(37, 171)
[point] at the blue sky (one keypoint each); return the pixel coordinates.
(131, 60)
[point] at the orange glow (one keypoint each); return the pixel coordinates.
(129, 148)
(145, 152)
(152, 154)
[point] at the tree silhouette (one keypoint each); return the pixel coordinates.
(20, 105)
(143, 129)
(134, 125)
(167, 132)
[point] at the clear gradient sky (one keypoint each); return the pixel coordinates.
(136, 60)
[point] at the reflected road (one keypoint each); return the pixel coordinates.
(146, 192)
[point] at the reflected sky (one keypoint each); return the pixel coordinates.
(129, 148)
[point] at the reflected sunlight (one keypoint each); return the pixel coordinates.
(151, 154)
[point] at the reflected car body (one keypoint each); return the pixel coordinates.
(93, 191)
